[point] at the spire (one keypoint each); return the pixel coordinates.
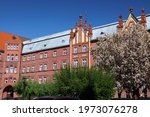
(80, 21)
(143, 18)
(131, 10)
(90, 33)
(71, 34)
(120, 23)
(85, 26)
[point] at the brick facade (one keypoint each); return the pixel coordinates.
(41, 64)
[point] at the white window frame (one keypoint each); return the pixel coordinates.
(75, 50)
(84, 48)
(54, 66)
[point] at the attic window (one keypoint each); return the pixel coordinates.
(63, 41)
(102, 33)
(30, 48)
(44, 45)
(14, 38)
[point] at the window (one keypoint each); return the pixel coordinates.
(32, 68)
(16, 57)
(41, 56)
(40, 80)
(11, 69)
(84, 62)
(15, 69)
(65, 52)
(11, 47)
(54, 66)
(33, 57)
(75, 50)
(23, 70)
(6, 80)
(64, 64)
(45, 67)
(12, 57)
(7, 69)
(40, 68)
(28, 69)
(8, 57)
(14, 80)
(8, 46)
(45, 55)
(45, 80)
(84, 48)
(17, 47)
(28, 58)
(76, 63)
(55, 53)
(24, 58)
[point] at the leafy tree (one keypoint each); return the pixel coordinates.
(85, 83)
(128, 54)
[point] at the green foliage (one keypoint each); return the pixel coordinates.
(85, 83)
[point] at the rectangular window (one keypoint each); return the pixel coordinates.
(40, 80)
(28, 69)
(12, 57)
(24, 58)
(45, 55)
(28, 58)
(33, 68)
(65, 52)
(8, 46)
(45, 67)
(23, 70)
(54, 53)
(33, 57)
(45, 80)
(54, 66)
(64, 64)
(40, 68)
(75, 50)
(41, 56)
(84, 62)
(76, 63)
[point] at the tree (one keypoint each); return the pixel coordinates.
(85, 83)
(128, 54)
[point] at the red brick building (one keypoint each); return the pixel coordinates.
(42, 57)
(10, 53)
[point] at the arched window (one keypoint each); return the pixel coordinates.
(16, 58)
(15, 69)
(11, 69)
(84, 48)
(8, 57)
(12, 57)
(7, 69)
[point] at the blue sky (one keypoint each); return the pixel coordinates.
(35, 18)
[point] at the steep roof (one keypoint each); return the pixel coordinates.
(5, 37)
(62, 38)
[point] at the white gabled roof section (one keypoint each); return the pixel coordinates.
(62, 39)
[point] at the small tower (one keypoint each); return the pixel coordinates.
(143, 18)
(120, 23)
